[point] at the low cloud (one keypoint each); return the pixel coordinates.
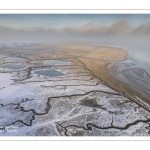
(89, 29)
(143, 29)
(120, 27)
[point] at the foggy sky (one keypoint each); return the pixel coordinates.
(74, 27)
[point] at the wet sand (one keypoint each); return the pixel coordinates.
(116, 69)
(132, 74)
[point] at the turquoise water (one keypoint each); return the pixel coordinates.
(49, 73)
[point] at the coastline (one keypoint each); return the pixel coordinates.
(135, 87)
(99, 60)
(101, 66)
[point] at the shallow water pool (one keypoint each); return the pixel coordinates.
(55, 62)
(49, 73)
(15, 59)
(12, 66)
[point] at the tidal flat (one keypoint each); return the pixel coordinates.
(98, 92)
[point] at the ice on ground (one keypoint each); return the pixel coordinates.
(5, 79)
(75, 104)
(9, 115)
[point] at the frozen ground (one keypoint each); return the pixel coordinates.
(76, 104)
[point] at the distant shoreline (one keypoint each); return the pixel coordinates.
(99, 60)
(142, 97)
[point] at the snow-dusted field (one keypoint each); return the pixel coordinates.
(76, 104)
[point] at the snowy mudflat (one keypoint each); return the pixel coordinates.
(76, 104)
(131, 73)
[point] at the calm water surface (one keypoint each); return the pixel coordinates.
(49, 73)
(11, 66)
(15, 59)
(55, 62)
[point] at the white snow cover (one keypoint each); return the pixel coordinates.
(75, 104)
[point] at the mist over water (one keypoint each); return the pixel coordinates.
(138, 52)
(137, 72)
(138, 48)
